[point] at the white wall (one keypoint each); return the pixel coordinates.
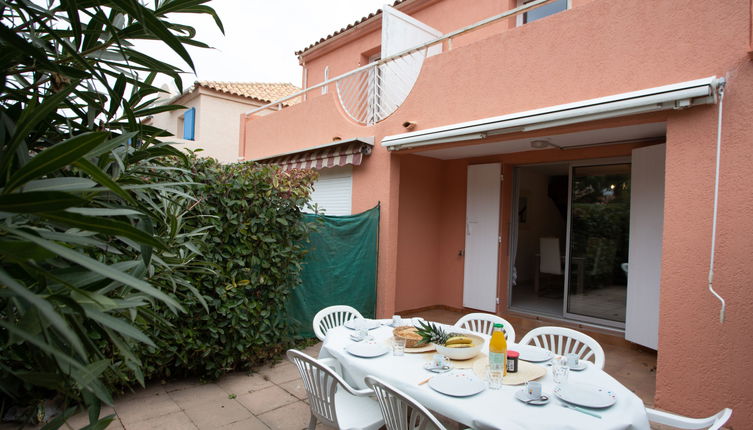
(217, 123)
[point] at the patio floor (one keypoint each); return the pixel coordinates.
(274, 397)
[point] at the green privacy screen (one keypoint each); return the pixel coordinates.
(339, 269)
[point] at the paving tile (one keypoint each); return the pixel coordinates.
(252, 423)
(313, 350)
(174, 421)
(265, 400)
(280, 373)
(293, 416)
(153, 390)
(242, 383)
(181, 384)
(295, 388)
(207, 393)
(215, 414)
(140, 408)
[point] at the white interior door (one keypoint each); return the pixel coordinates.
(644, 260)
(482, 237)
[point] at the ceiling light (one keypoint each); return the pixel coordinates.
(540, 144)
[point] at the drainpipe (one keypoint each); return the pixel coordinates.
(720, 89)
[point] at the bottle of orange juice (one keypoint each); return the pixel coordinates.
(497, 357)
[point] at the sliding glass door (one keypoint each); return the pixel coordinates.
(597, 245)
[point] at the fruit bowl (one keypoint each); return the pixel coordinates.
(462, 353)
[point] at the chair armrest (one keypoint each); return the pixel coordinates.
(332, 364)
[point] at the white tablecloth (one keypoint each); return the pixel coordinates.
(492, 406)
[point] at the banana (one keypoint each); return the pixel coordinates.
(458, 340)
(459, 345)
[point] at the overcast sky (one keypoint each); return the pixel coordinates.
(261, 37)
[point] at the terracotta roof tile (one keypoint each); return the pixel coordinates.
(262, 91)
(344, 29)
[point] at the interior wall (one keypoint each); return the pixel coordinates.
(418, 236)
(543, 220)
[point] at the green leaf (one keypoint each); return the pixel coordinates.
(155, 26)
(59, 184)
(101, 268)
(46, 309)
(38, 201)
(55, 157)
(102, 225)
(103, 179)
(103, 211)
(117, 325)
(19, 250)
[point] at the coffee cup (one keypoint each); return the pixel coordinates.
(534, 390)
(572, 360)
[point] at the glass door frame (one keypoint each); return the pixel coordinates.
(569, 315)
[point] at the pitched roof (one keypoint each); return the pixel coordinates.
(265, 92)
(344, 29)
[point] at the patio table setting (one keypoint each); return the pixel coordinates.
(586, 397)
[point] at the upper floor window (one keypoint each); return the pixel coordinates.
(542, 11)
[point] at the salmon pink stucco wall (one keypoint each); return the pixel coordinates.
(418, 238)
(689, 326)
(598, 48)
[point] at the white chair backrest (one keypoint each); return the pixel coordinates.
(550, 258)
(399, 410)
(321, 384)
(484, 323)
(713, 422)
(561, 341)
(333, 316)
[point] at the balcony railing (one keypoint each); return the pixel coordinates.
(372, 92)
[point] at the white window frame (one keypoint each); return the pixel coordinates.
(519, 17)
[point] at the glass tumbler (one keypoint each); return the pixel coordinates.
(496, 372)
(398, 346)
(560, 370)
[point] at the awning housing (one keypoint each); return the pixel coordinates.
(334, 154)
(676, 96)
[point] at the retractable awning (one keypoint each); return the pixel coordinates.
(676, 96)
(335, 154)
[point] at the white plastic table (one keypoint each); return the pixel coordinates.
(492, 406)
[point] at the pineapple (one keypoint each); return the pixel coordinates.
(431, 333)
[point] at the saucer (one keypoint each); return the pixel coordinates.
(429, 366)
(522, 395)
(578, 367)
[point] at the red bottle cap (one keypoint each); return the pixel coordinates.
(512, 354)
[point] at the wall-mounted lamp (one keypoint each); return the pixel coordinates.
(409, 125)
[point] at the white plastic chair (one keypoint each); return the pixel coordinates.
(332, 400)
(484, 323)
(561, 341)
(551, 259)
(713, 422)
(400, 411)
(331, 317)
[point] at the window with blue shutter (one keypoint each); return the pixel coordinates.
(189, 124)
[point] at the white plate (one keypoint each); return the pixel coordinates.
(586, 395)
(367, 324)
(533, 354)
(522, 395)
(367, 349)
(458, 384)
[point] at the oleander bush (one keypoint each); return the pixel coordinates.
(88, 248)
